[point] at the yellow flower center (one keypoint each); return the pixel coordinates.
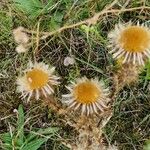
(37, 78)
(86, 92)
(135, 39)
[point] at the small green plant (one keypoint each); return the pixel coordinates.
(18, 140)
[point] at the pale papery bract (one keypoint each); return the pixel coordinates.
(69, 61)
(21, 48)
(20, 36)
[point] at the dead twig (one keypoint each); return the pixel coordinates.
(89, 21)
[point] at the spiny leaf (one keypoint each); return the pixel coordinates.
(48, 131)
(20, 125)
(35, 144)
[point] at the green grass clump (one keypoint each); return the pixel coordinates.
(16, 138)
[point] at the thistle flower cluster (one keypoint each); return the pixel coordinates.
(130, 47)
(88, 95)
(130, 43)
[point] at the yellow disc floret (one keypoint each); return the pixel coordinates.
(37, 78)
(134, 39)
(86, 92)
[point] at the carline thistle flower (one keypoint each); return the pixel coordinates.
(87, 95)
(38, 79)
(130, 42)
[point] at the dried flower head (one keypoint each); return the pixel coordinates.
(37, 79)
(20, 36)
(131, 42)
(127, 74)
(21, 48)
(88, 95)
(69, 61)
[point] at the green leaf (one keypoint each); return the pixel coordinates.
(33, 8)
(30, 7)
(6, 146)
(58, 16)
(7, 141)
(6, 137)
(85, 28)
(35, 144)
(147, 77)
(147, 145)
(51, 131)
(48, 131)
(20, 125)
(54, 24)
